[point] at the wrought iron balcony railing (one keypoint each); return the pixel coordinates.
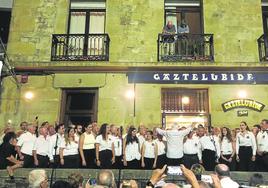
(263, 47)
(80, 47)
(185, 47)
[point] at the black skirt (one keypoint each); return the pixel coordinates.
(245, 163)
(71, 161)
(134, 164)
(161, 161)
(231, 164)
(90, 157)
(106, 159)
(149, 162)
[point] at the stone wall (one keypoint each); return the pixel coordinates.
(133, 27)
(113, 106)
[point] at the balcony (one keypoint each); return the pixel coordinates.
(185, 47)
(80, 47)
(263, 47)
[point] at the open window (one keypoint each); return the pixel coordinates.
(188, 10)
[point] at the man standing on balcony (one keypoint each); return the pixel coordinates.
(168, 32)
(183, 45)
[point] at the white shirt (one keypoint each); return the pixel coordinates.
(104, 144)
(192, 146)
(262, 141)
(227, 182)
(89, 141)
(26, 142)
(207, 142)
(149, 149)
(141, 140)
(132, 151)
(69, 149)
(52, 144)
(161, 147)
(226, 146)
(247, 140)
(117, 145)
(41, 145)
(174, 141)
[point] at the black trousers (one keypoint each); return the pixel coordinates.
(105, 159)
(245, 163)
(189, 160)
(28, 161)
(134, 164)
(71, 161)
(209, 159)
(261, 163)
(118, 163)
(231, 165)
(56, 162)
(149, 162)
(174, 162)
(43, 161)
(161, 161)
(90, 157)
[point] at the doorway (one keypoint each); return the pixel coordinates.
(184, 107)
(79, 106)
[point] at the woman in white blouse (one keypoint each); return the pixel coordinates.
(161, 152)
(149, 152)
(105, 155)
(227, 148)
(245, 148)
(87, 147)
(69, 157)
(131, 150)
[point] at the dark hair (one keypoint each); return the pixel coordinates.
(24, 122)
(228, 135)
(256, 179)
(75, 180)
(61, 184)
(102, 130)
(247, 128)
(129, 138)
(222, 172)
(44, 123)
(57, 127)
(200, 126)
(265, 120)
(257, 126)
(8, 136)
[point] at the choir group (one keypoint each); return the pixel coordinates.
(106, 147)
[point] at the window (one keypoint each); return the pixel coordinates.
(265, 16)
(184, 106)
(87, 17)
(5, 17)
(187, 10)
(79, 106)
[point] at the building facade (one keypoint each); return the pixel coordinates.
(80, 59)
